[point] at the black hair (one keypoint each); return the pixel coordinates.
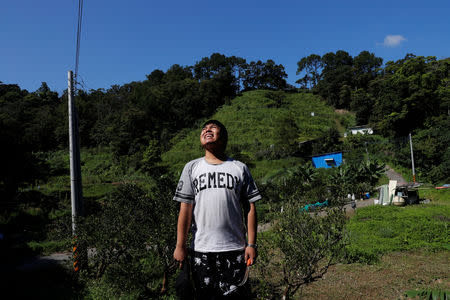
(223, 130)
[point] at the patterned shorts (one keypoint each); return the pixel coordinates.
(217, 275)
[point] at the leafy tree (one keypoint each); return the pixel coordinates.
(431, 151)
(133, 240)
(407, 94)
(151, 155)
(366, 67)
(27, 121)
(337, 72)
(312, 65)
(327, 142)
(362, 104)
(177, 73)
(355, 177)
(264, 75)
(301, 251)
(155, 78)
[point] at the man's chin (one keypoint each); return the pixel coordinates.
(212, 146)
(208, 145)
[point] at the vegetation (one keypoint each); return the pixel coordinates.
(263, 126)
(133, 242)
(301, 250)
(136, 138)
(377, 230)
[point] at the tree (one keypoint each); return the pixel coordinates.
(155, 78)
(177, 73)
(365, 67)
(285, 136)
(264, 75)
(407, 94)
(151, 155)
(312, 65)
(302, 249)
(362, 104)
(133, 238)
(337, 72)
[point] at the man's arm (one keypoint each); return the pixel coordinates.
(184, 222)
(250, 252)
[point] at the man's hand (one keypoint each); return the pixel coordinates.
(180, 254)
(250, 253)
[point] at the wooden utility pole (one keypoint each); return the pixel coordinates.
(412, 158)
(75, 170)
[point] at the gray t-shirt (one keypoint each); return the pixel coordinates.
(217, 192)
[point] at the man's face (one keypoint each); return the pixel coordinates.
(210, 135)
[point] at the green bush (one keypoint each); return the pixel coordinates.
(300, 249)
(133, 237)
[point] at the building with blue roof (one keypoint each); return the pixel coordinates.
(327, 160)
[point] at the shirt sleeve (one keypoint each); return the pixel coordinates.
(184, 192)
(250, 190)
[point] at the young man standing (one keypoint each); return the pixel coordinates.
(217, 196)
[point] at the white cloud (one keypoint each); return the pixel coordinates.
(393, 40)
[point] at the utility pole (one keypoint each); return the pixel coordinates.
(75, 170)
(412, 159)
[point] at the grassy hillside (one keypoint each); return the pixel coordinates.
(259, 124)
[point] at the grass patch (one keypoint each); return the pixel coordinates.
(441, 197)
(265, 169)
(376, 230)
(48, 247)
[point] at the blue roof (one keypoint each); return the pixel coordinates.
(327, 160)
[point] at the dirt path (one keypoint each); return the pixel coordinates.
(44, 262)
(392, 175)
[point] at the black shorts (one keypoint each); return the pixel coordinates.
(217, 275)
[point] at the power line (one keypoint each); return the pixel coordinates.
(80, 19)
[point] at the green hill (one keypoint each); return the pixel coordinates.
(264, 127)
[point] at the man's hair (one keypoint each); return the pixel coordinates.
(223, 131)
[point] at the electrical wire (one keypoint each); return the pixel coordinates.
(77, 55)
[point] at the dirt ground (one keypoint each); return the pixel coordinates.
(395, 274)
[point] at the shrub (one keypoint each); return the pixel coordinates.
(132, 241)
(301, 250)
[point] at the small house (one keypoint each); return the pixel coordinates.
(327, 160)
(358, 129)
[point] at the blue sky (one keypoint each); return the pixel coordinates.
(122, 41)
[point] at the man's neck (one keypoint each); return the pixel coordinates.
(214, 157)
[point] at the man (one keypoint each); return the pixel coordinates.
(217, 193)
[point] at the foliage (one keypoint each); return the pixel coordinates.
(151, 155)
(255, 131)
(312, 65)
(301, 250)
(27, 121)
(407, 94)
(355, 178)
(133, 238)
(337, 73)
(428, 294)
(431, 151)
(264, 75)
(335, 76)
